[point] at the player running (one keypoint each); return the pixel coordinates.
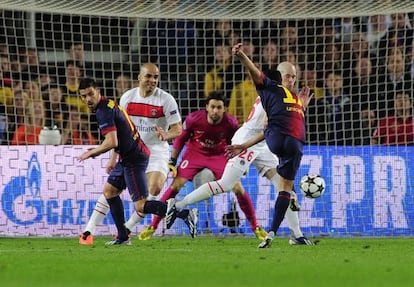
(155, 114)
(131, 156)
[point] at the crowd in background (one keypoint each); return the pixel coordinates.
(361, 71)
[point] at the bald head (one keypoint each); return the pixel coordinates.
(288, 72)
(149, 67)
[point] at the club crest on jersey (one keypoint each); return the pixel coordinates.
(154, 112)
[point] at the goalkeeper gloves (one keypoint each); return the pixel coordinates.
(171, 166)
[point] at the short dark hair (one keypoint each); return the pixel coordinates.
(273, 74)
(75, 63)
(86, 83)
(216, 96)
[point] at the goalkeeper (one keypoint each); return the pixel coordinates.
(205, 134)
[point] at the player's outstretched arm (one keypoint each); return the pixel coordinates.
(254, 71)
(110, 142)
(233, 150)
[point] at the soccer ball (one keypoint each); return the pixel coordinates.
(312, 185)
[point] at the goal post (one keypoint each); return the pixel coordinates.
(359, 53)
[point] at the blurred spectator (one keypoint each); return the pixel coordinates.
(223, 77)
(123, 83)
(345, 28)
(32, 89)
(309, 79)
(359, 48)
(6, 92)
(330, 119)
(135, 39)
(243, 97)
(394, 78)
(410, 62)
(76, 52)
(5, 70)
(77, 130)
(16, 113)
(172, 43)
(29, 63)
(400, 34)
(397, 129)
(364, 126)
(57, 113)
(377, 27)
(234, 37)
(269, 30)
(270, 56)
(70, 84)
(329, 60)
(363, 85)
(3, 123)
(291, 40)
(34, 119)
(249, 48)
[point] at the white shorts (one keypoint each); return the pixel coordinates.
(158, 160)
(258, 154)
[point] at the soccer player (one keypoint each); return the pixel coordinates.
(265, 163)
(206, 134)
(285, 131)
(121, 135)
(156, 116)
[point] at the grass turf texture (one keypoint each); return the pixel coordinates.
(206, 261)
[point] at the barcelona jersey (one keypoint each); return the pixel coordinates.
(283, 108)
(111, 117)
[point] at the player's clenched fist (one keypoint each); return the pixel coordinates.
(237, 48)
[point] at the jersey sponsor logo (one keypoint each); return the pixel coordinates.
(173, 112)
(145, 110)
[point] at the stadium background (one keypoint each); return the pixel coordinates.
(44, 192)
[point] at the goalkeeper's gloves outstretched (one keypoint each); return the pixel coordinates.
(171, 167)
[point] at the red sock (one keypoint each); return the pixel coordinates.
(169, 193)
(245, 203)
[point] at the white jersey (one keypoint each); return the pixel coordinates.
(253, 125)
(259, 154)
(256, 118)
(158, 110)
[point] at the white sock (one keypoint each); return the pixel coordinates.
(99, 212)
(134, 220)
(199, 194)
(275, 180)
(293, 222)
(229, 178)
(152, 197)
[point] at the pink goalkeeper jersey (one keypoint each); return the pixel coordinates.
(202, 137)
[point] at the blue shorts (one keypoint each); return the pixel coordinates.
(130, 175)
(288, 149)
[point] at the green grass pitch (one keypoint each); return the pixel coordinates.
(206, 261)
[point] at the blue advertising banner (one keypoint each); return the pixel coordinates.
(369, 192)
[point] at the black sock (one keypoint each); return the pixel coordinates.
(117, 211)
(281, 205)
(155, 207)
(183, 214)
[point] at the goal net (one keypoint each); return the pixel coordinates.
(356, 56)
